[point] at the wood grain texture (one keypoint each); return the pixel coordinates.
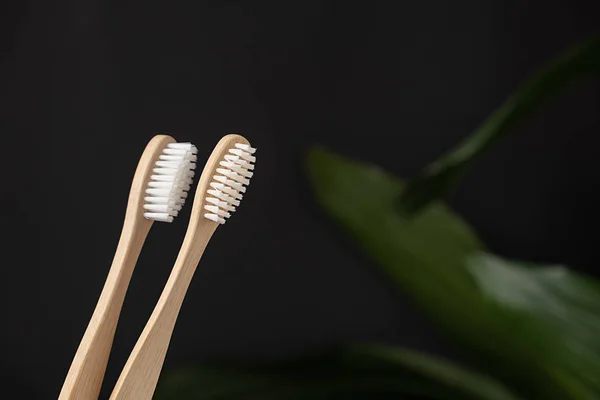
(84, 379)
(142, 370)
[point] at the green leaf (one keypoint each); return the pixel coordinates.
(358, 372)
(440, 177)
(427, 257)
(456, 380)
(361, 197)
(556, 312)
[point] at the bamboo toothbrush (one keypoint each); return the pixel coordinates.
(219, 190)
(158, 191)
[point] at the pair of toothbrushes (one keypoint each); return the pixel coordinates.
(158, 191)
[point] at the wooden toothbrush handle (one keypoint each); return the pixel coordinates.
(85, 376)
(141, 372)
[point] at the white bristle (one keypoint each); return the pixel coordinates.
(230, 183)
(167, 178)
(175, 152)
(234, 167)
(158, 207)
(241, 153)
(163, 185)
(241, 162)
(233, 175)
(220, 203)
(184, 146)
(163, 200)
(218, 211)
(158, 192)
(167, 164)
(163, 217)
(214, 217)
(245, 147)
(166, 157)
(172, 176)
(165, 171)
(157, 200)
(220, 195)
(227, 188)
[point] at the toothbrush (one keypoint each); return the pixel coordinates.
(158, 191)
(220, 188)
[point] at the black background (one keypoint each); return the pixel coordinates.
(86, 83)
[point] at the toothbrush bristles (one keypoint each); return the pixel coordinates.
(227, 187)
(170, 180)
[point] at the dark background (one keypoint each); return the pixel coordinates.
(86, 83)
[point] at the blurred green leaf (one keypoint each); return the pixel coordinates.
(454, 380)
(441, 176)
(433, 256)
(358, 372)
(556, 312)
